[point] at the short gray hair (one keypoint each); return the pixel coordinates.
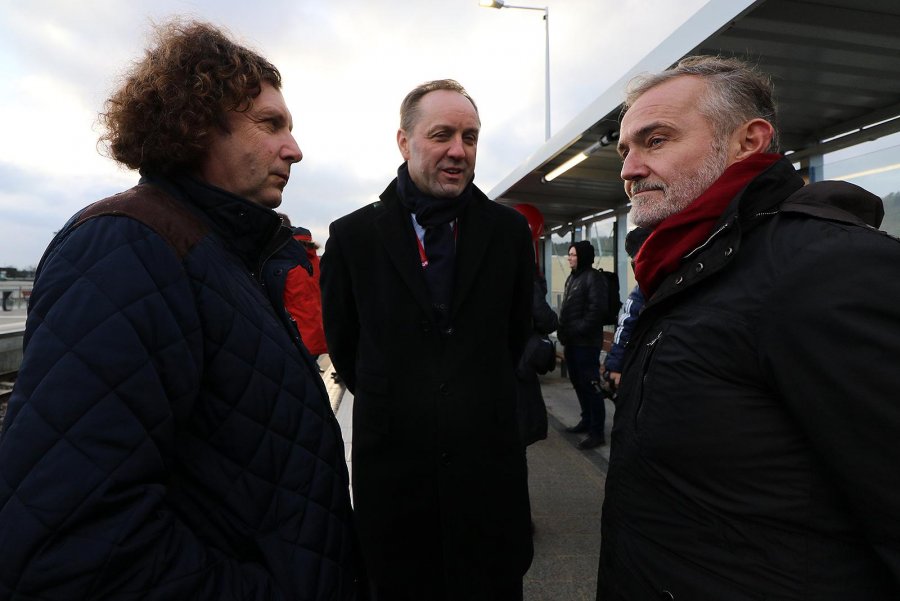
(735, 93)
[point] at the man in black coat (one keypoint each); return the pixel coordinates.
(427, 305)
(754, 448)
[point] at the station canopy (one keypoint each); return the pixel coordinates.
(836, 69)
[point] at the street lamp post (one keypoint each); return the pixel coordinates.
(546, 11)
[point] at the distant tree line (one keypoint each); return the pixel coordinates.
(14, 273)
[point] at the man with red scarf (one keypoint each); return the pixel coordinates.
(752, 456)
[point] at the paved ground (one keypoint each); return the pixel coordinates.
(566, 488)
(12, 321)
(566, 498)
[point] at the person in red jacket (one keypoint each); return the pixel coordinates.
(303, 297)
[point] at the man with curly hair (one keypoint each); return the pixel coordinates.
(169, 436)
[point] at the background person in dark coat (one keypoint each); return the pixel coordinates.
(168, 436)
(583, 312)
(746, 462)
(427, 307)
(539, 351)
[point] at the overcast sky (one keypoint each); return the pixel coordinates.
(346, 66)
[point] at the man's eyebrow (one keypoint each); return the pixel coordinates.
(438, 127)
(642, 133)
(270, 113)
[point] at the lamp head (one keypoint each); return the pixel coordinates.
(491, 3)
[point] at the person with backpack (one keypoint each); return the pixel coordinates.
(584, 310)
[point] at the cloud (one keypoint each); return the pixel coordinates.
(346, 67)
(34, 207)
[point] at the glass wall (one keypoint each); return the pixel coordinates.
(874, 166)
(557, 267)
(602, 236)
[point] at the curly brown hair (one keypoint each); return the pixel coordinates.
(159, 120)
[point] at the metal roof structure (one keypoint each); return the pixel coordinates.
(836, 69)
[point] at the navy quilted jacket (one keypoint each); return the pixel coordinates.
(168, 436)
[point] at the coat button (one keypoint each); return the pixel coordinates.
(445, 459)
(729, 251)
(448, 331)
(698, 267)
(678, 280)
(666, 595)
(426, 326)
(445, 390)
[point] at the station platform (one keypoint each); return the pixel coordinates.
(566, 488)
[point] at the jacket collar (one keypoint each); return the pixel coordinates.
(761, 198)
(251, 231)
(394, 225)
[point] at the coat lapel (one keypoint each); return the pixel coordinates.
(475, 231)
(396, 233)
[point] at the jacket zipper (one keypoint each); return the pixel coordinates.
(645, 368)
(708, 240)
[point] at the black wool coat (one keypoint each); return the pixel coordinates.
(439, 481)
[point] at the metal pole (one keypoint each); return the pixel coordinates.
(546, 10)
(547, 73)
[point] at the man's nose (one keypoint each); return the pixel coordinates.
(291, 151)
(456, 148)
(633, 167)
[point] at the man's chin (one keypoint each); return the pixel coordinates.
(647, 219)
(270, 202)
(448, 191)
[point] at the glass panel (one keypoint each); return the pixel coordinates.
(558, 268)
(602, 235)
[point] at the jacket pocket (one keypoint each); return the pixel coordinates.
(371, 406)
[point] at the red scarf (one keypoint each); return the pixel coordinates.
(679, 234)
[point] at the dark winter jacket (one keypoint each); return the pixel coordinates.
(754, 448)
(439, 485)
(543, 317)
(627, 319)
(303, 295)
(530, 409)
(585, 302)
(168, 436)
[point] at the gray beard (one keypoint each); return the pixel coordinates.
(678, 194)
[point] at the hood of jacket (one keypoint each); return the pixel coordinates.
(586, 255)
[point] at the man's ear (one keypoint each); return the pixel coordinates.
(752, 137)
(403, 144)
